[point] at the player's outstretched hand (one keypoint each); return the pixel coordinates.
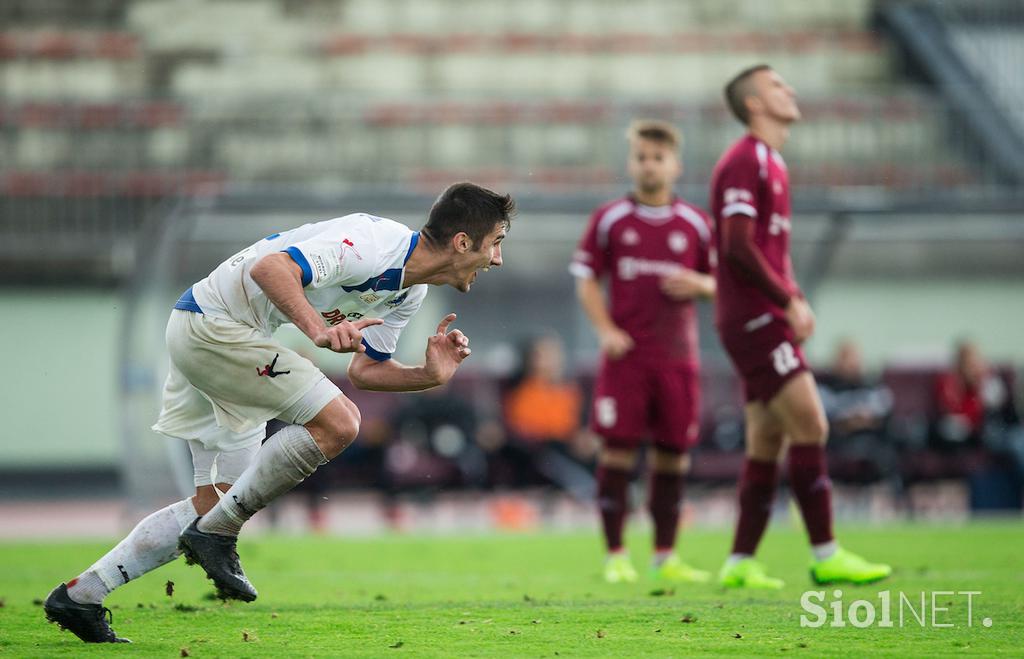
(346, 336)
(615, 342)
(445, 351)
(800, 318)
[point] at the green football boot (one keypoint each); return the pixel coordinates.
(847, 567)
(747, 573)
(674, 570)
(618, 569)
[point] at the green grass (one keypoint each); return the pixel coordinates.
(525, 595)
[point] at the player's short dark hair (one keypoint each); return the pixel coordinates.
(738, 89)
(655, 130)
(470, 208)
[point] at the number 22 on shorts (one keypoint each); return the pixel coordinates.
(784, 358)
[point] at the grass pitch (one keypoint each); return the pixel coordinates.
(531, 595)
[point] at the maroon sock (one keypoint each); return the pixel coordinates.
(612, 491)
(757, 491)
(808, 478)
(664, 501)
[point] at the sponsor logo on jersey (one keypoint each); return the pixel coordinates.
(269, 371)
(631, 268)
(677, 242)
(319, 267)
(336, 317)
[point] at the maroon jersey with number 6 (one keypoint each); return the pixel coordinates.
(652, 392)
(635, 246)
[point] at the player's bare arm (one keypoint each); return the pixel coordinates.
(614, 341)
(280, 277)
(445, 352)
(688, 284)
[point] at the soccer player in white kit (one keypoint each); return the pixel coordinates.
(350, 284)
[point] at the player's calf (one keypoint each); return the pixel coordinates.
(665, 498)
(286, 459)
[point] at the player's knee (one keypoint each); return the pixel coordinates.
(814, 430)
(669, 462)
(333, 432)
(822, 429)
(618, 458)
(765, 447)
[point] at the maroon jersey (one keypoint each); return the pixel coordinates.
(751, 179)
(635, 246)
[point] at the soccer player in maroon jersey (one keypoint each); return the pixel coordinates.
(653, 248)
(762, 319)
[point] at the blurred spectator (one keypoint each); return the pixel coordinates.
(858, 410)
(854, 403)
(543, 409)
(974, 409)
(434, 443)
(973, 403)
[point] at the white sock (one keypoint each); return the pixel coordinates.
(660, 556)
(152, 543)
(736, 558)
(284, 461)
(824, 550)
(618, 552)
(88, 588)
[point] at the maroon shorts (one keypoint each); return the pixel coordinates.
(634, 403)
(765, 358)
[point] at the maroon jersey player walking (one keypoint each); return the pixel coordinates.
(652, 247)
(762, 319)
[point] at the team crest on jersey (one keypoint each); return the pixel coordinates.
(369, 297)
(677, 242)
(630, 237)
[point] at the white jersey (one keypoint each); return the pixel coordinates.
(352, 267)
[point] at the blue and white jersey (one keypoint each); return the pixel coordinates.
(352, 268)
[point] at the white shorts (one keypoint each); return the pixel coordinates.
(211, 466)
(226, 380)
